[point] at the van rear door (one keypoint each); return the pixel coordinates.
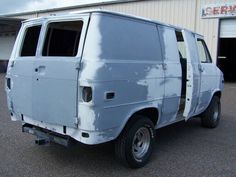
(193, 74)
(19, 72)
(55, 78)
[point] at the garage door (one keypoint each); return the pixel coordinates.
(6, 45)
(228, 28)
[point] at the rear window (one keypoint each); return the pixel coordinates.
(30, 41)
(62, 38)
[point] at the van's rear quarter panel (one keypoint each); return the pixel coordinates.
(123, 56)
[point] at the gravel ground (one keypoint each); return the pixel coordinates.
(183, 149)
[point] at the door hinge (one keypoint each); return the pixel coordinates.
(77, 66)
(76, 120)
(164, 66)
(200, 68)
(12, 64)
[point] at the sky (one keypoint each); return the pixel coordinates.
(13, 6)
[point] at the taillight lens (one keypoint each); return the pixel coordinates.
(87, 94)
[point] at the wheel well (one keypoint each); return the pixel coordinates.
(218, 93)
(151, 113)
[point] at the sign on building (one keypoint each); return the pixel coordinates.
(219, 10)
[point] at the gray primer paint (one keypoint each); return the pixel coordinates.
(137, 59)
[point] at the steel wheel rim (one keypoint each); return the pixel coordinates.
(141, 143)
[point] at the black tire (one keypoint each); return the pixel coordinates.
(127, 146)
(211, 116)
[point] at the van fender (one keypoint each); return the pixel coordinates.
(213, 93)
(132, 113)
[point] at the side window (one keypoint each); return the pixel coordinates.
(181, 45)
(30, 41)
(62, 38)
(204, 55)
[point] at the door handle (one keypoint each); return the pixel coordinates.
(40, 69)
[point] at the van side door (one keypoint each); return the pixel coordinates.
(193, 74)
(172, 72)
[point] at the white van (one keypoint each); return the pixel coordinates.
(98, 76)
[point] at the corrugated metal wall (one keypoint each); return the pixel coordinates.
(184, 13)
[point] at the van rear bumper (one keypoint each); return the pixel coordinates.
(46, 132)
(45, 136)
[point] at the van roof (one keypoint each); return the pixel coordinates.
(75, 13)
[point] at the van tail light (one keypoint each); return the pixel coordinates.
(9, 83)
(87, 94)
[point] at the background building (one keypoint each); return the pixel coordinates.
(215, 19)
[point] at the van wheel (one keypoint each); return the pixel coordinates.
(134, 146)
(211, 116)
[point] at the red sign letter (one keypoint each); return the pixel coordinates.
(216, 10)
(224, 9)
(234, 8)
